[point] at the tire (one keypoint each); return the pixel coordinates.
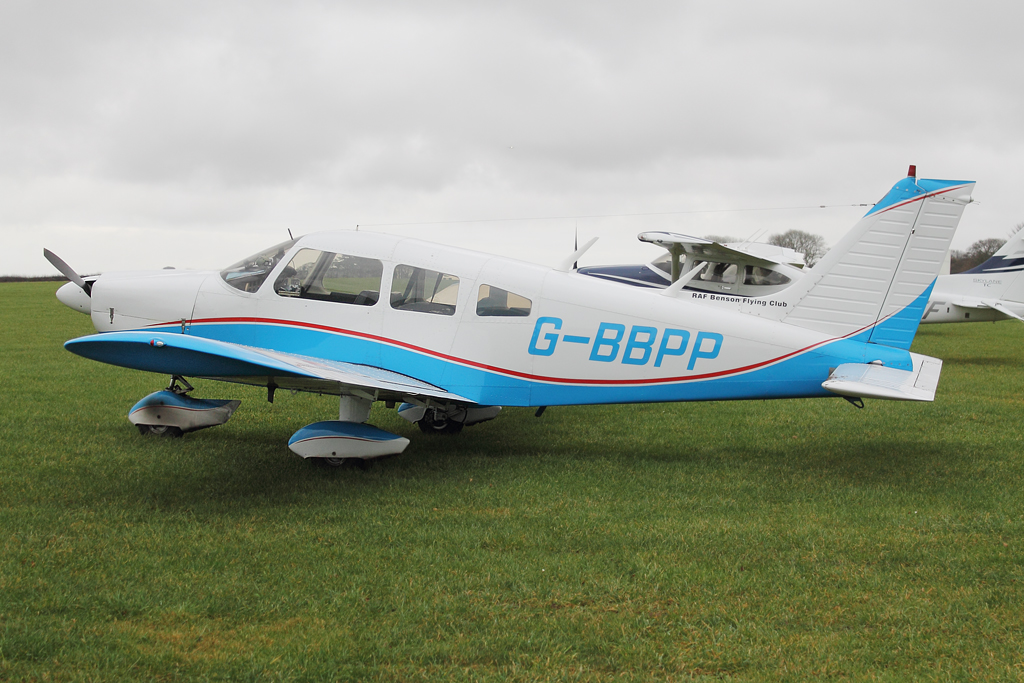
(160, 430)
(438, 423)
(336, 463)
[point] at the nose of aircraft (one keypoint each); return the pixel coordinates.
(74, 297)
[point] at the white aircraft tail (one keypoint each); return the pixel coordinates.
(878, 277)
(1007, 265)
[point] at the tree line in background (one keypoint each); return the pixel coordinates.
(813, 247)
(977, 253)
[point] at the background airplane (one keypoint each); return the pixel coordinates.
(744, 269)
(451, 334)
(992, 291)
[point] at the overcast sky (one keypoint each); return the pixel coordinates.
(191, 134)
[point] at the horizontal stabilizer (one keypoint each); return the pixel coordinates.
(866, 380)
(1002, 308)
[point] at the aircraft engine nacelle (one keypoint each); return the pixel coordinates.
(133, 300)
(166, 412)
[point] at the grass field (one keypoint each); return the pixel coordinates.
(740, 541)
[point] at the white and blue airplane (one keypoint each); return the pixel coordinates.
(989, 292)
(449, 335)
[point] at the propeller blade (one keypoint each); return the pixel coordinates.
(66, 270)
(567, 265)
(576, 245)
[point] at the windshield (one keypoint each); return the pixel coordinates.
(249, 273)
(663, 263)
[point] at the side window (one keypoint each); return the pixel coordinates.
(664, 263)
(326, 276)
(424, 290)
(494, 301)
(720, 272)
(756, 275)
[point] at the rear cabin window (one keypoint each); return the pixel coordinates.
(327, 276)
(424, 290)
(248, 274)
(494, 301)
(756, 275)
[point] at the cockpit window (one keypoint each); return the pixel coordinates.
(248, 274)
(494, 301)
(756, 275)
(424, 290)
(663, 263)
(327, 276)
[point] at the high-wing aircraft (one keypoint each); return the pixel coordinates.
(992, 291)
(448, 335)
(741, 269)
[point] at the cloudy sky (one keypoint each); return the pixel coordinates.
(149, 134)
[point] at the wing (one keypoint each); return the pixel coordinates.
(702, 248)
(188, 356)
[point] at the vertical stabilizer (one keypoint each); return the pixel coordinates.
(1009, 257)
(879, 275)
(1007, 265)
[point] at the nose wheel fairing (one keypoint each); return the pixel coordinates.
(166, 411)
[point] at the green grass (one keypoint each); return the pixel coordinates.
(741, 541)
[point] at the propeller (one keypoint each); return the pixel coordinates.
(576, 244)
(67, 271)
(568, 264)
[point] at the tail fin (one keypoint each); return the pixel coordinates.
(879, 275)
(1009, 258)
(1007, 265)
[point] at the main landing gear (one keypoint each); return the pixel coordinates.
(438, 422)
(332, 442)
(335, 442)
(446, 419)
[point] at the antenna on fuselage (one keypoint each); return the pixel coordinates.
(289, 233)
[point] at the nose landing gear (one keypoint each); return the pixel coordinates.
(171, 412)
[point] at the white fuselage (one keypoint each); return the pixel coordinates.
(580, 340)
(970, 297)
